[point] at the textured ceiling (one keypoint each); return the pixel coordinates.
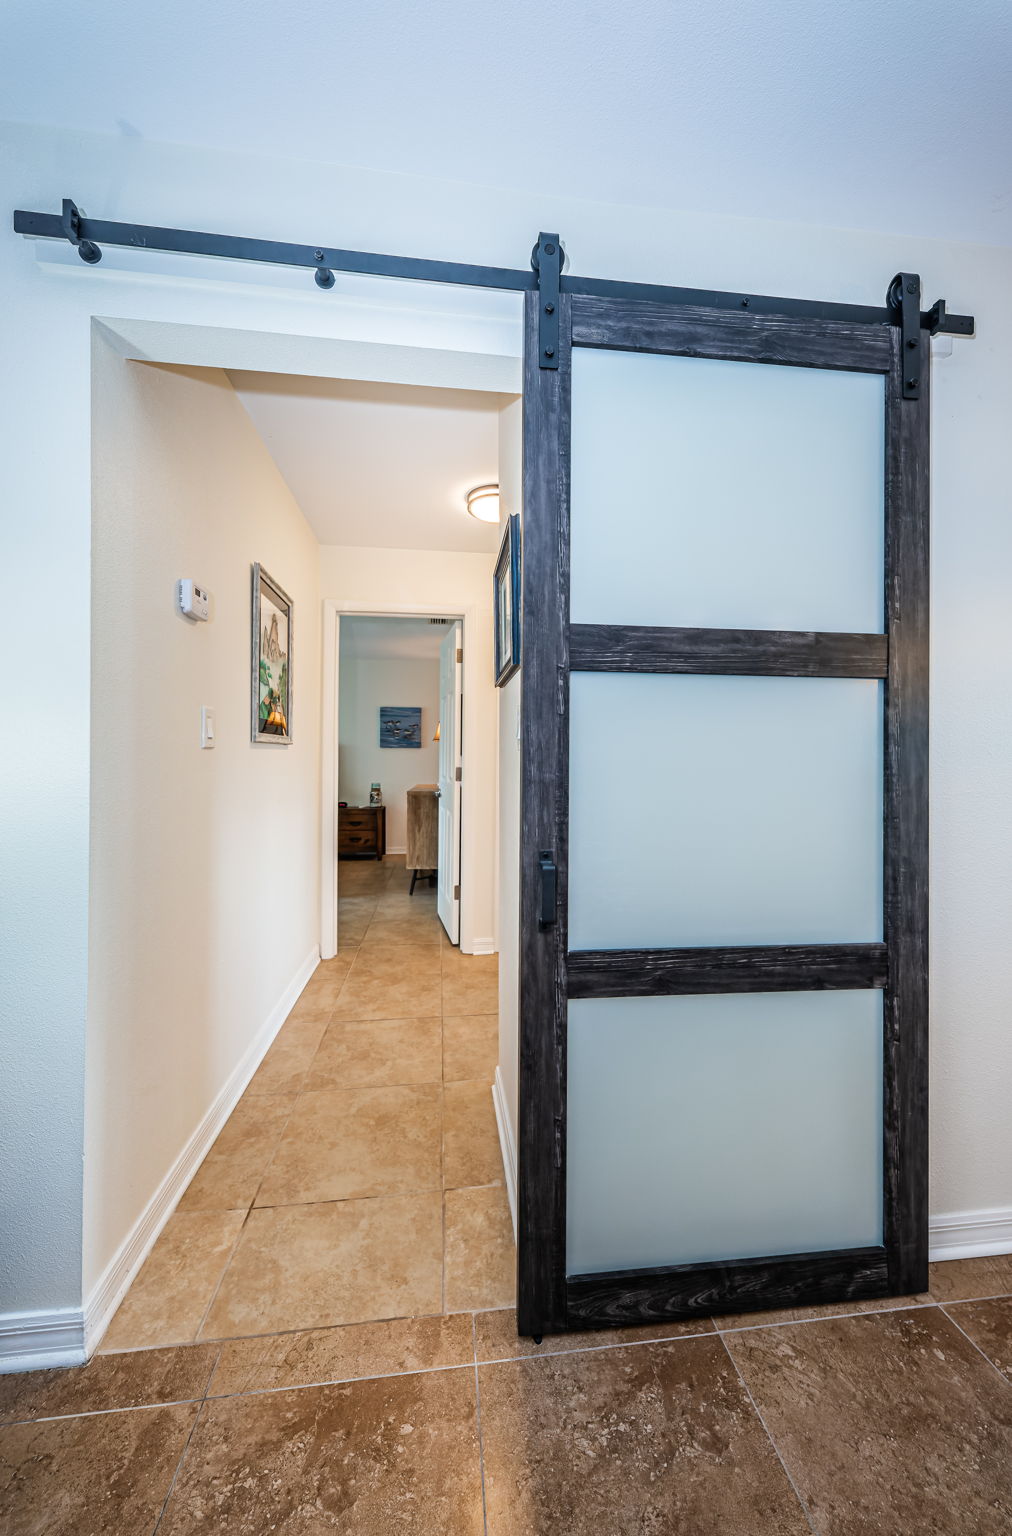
(894, 116)
(386, 466)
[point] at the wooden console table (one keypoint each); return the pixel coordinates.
(361, 831)
(423, 833)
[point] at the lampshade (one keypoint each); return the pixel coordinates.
(483, 503)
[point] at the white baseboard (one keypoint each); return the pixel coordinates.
(970, 1234)
(507, 1145)
(37, 1341)
(399, 849)
(482, 947)
(118, 1275)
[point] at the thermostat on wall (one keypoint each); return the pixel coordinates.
(193, 600)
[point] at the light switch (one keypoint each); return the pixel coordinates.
(206, 726)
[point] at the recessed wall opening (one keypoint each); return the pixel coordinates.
(297, 926)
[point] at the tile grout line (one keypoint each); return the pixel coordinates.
(277, 1145)
(828, 1317)
(101, 1413)
(481, 1438)
(179, 1466)
(331, 1381)
(958, 1301)
(221, 1278)
(976, 1346)
(776, 1449)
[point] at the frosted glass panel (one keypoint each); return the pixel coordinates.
(731, 495)
(724, 810)
(723, 1127)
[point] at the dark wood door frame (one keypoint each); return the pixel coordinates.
(550, 1300)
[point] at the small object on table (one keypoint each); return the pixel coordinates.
(423, 833)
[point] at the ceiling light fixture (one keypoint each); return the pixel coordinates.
(483, 503)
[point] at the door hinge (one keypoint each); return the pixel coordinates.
(546, 259)
(904, 298)
(456, 893)
(458, 775)
(460, 654)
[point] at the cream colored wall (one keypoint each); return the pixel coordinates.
(510, 501)
(367, 684)
(204, 864)
(440, 582)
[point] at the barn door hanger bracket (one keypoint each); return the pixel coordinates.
(546, 259)
(904, 300)
(71, 222)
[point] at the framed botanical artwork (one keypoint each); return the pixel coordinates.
(271, 660)
(400, 725)
(506, 602)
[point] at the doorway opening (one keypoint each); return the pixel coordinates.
(345, 1122)
(400, 784)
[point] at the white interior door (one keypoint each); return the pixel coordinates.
(451, 696)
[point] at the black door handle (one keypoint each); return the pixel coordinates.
(548, 887)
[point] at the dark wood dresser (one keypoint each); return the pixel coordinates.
(361, 830)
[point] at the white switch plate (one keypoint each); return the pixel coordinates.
(206, 726)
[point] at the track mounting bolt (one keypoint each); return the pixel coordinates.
(744, 303)
(912, 343)
(912, 383)
(549, 351)
(549, 309)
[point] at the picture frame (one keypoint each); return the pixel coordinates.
(400, 725)
(271, 661)
(506, 604)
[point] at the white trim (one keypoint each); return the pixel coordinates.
(398, 849)
(113, 1284)
(333, 608)
(506, 1144)
(37, 1341)
(329, 732)
(970, 1234)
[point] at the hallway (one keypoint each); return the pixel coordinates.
(360, 1175)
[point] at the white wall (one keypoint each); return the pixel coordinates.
(204, 864)
(450, 584)
(365, 686)
(44, 492)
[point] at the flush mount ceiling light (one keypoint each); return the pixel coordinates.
(483, 503)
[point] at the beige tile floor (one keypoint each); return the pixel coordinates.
(359, 1178)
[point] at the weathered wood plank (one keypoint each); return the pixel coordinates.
(906, 827)
(635, 325)
(744, 1285)
(541, 1298)
(684, 972)
(741, 652)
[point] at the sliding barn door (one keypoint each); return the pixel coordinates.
(724, 925)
